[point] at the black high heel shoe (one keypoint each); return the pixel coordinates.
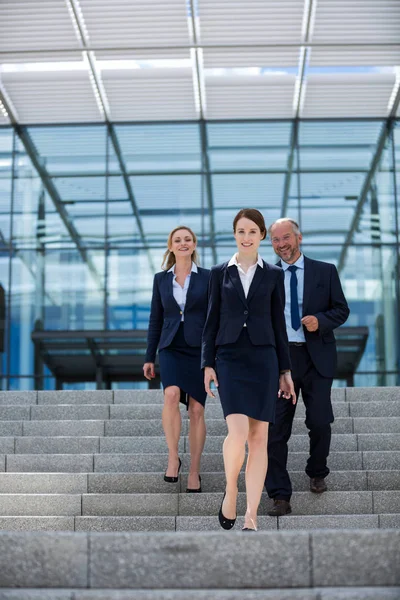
(173, 479)
(223, 521)
(194, 491)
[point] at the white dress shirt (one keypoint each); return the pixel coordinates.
(180, 292)
(246, 278)
(294, 336)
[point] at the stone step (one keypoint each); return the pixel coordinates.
(151, 444)
(329, 558)
(105, 483)
(147, 504)
(151, 427)
(138, 427)
(303, 503)
(331, 593)
(49, 505)
(153, 411)
(305, 522)
(44, 483)
(366, 394)
(143, 463)
(197, 523)
(27, 398)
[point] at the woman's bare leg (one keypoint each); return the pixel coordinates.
(256, 468)
(171, 420)
(197, 438)
(234, 450)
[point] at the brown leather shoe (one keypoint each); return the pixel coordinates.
(318, 485)
(280, 508)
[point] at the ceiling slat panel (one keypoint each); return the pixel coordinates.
(34, 24)
(250, 96)
(134, 22)
(348, 95)
(52, 97)
(253, 21)
(150, 94)
(355, 57)
(243, 57)
(365, 21)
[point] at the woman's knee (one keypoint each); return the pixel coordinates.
(258, 438)
(171, 396)
(238, 434)
(196, 410)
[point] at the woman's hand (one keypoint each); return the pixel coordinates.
(286, 387)
(148, 370)
(209, 376)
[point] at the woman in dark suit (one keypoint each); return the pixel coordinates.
(245, 351)
(178, 313)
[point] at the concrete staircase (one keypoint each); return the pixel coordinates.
(74, 465)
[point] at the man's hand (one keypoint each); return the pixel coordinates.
(310, 323)
(286, 387)
(209, 376)
(148, 370)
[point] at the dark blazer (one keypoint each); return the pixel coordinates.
(166, 315)
(323, 298)
(262, 311)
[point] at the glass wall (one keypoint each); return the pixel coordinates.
(85, 212)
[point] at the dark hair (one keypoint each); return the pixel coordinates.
(254, 215)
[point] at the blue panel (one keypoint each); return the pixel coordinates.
(167, 191)
(256, 190)
(71, 149)
(160, 147)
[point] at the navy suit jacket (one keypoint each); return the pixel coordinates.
(323, 298)
(262, 311)
(166, 315)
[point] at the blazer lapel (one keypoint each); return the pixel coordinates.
(235, 278)
(258, 276)
(194, 277)
(308, 283)
(170, 289)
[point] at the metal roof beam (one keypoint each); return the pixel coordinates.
(78, 20)
(384, 136)
(58, 203)
(203, 133)
(48, 184)
(298, 100)
(127, 182)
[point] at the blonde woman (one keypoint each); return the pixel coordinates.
(177, 317)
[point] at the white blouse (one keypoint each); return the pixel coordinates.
(180, 292)
(246, 278)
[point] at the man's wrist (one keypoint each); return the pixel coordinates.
(285, 371)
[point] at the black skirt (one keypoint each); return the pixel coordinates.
(180, 366)
(248, 378)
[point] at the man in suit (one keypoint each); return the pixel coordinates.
(315, 305)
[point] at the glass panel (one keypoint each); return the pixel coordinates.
(160, 147)
(369, 282)
(72, 149)
(85, 239)
(248, 146)
(74, 290)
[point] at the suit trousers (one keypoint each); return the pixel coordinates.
(316, 393)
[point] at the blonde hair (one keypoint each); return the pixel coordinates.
(169, 258)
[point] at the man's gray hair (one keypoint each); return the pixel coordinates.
(295, 225)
